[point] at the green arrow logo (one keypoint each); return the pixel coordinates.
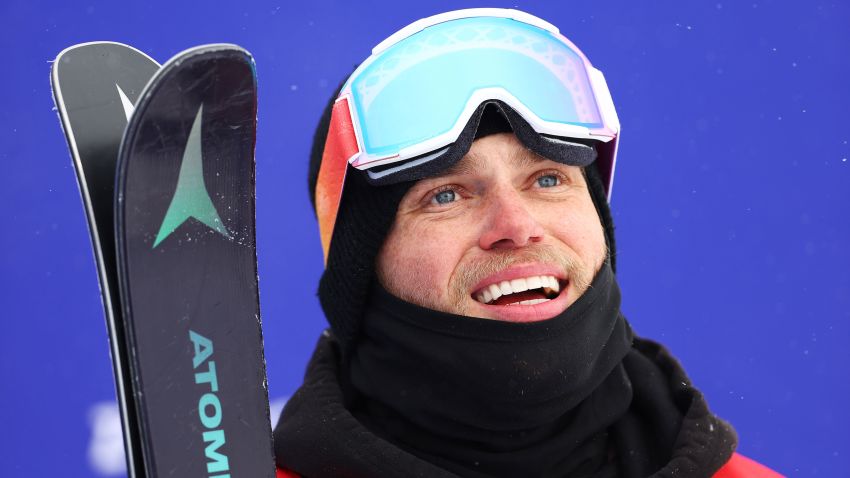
(191, 198)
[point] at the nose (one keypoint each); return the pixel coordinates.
(509, 224)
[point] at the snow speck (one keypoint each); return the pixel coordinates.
(809, 248)
(843, 160)
(106, 446)
(275, 408)
(293, 87)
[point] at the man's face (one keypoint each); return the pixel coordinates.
(504, 234)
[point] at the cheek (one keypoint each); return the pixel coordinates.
(580, 229)
(417, 258)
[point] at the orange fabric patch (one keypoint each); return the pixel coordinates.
(340, 147)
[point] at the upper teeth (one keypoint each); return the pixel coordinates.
(494, 291)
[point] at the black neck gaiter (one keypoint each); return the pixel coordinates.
(482, 397)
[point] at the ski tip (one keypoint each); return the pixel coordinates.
(99, 43)
(208, 49)
(64, 55)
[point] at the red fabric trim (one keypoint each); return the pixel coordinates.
(740, 466)
(281, 473)
(340, 146)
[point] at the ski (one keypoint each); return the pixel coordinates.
(188, 324)
(95, 86)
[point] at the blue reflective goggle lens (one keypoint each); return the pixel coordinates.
(402, 114)
(419, 88)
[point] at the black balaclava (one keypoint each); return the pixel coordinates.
(486, 398)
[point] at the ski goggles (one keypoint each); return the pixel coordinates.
(409, 101)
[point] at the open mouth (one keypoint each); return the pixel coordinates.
(531, 290)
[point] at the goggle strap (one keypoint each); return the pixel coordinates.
(340, 147)
(424, 23)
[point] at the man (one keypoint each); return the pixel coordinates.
(461, 179)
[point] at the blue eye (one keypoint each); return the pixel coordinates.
(547, 181)
(444, 197)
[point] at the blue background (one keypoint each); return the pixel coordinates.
(731, 201)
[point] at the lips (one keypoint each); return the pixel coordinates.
(527, 292)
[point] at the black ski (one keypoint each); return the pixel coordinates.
(186, 264)
(95, 86)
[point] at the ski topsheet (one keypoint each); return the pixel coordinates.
(95, 86)
(188, 270)
(186, 265)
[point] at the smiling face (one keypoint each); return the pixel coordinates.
(504, 234)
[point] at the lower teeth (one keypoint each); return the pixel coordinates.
(530, 302)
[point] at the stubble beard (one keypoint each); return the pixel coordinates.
(458, 298)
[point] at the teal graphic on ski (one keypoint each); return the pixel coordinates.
(191, 198)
